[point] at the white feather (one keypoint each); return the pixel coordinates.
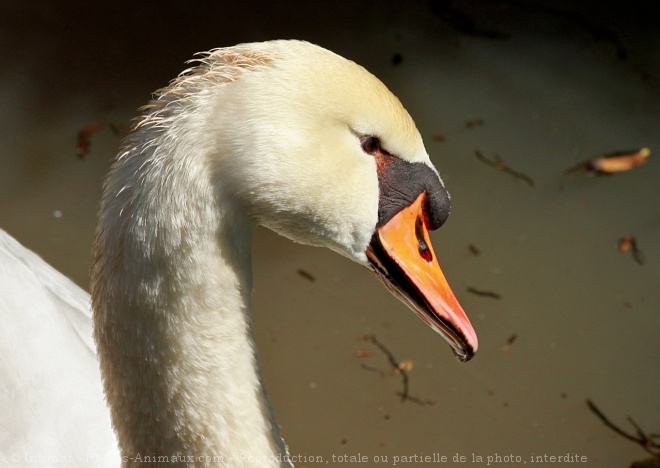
(258, 133)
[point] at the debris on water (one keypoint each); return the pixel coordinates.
(483, 293)
(611, 163)
(405, 365)
(439, 138)
(507, 347)
(474, 250)
(497, 163)
(395, 365)
(462, 22)
(627, 244)
(648, 463)
(401, 368)
(649, 442)
(305, 274)
(474, 123)
(420, 401)
(83, 143)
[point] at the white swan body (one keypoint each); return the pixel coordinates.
(52, 411)
(283, 134)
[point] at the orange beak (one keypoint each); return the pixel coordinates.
(402, 256)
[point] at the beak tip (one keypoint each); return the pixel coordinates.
(464, 351)
(464, 356)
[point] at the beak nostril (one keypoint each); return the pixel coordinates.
(424, 250)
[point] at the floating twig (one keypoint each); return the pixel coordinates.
(396, 365)
(649, 442)
(483, 293)
(611, 163)
(474, 250)
(507, 347)
(307, 275)
(372, 369)
(629, 244)
(497, 163)
(419, 401)
(402, 368)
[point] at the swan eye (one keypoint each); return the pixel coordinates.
(370, 144)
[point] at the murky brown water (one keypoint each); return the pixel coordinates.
(585, 317)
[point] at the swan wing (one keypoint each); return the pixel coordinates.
(52, 410)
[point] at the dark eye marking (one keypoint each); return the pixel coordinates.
(424, 250)
(370, 144)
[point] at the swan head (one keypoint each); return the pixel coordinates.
(329, 157)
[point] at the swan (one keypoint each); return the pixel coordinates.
(283, 134)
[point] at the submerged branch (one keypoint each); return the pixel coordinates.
(396, 365)
(646, 441)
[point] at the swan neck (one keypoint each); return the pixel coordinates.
(171, 295)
